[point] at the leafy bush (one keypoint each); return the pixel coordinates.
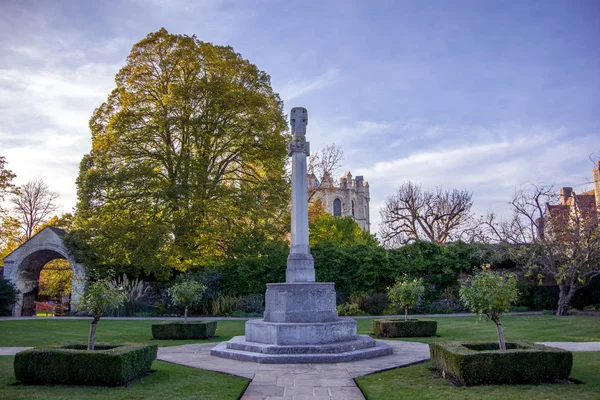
(108, 365)
(376, 303)
(548, 312)
(8, 295)
(480, 363)
(224, 305)
(178, 330)
(253, 303)
(349, 310)
(519, 309)
(404, 328)
(537, 297)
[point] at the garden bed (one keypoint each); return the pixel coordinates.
(482, 363)
(107, 365)
(179, 331)
(397, 327)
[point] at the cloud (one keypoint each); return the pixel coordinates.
(297, 88)
(491, 166)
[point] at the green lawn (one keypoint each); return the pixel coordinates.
(537, 328)
(167, 381)
(38, 332)
(416, 382)
(420, 383)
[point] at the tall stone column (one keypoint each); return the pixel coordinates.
(300, 263)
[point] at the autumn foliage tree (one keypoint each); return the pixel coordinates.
(188, 157)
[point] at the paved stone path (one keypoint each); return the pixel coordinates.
(305, 381)
(297, 381)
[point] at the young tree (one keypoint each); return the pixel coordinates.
(33, 205)
(188, 152)
(7, 223)
(559, 242)
(414, 214)
(406, 293)
(186, 294)
(490, 294)
(99, 300)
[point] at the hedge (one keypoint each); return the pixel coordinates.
(481, 363)
(107, 365)
(179, 330)
(396, 327)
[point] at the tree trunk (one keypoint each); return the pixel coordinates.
(500, 336)
(92, 335)
(406, 313)
(185, 315)
(567, 290)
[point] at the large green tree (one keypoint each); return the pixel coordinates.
(188, 157)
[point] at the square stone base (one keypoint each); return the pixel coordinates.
(300, 302)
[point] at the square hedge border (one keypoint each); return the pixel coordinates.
(481, 363)
(106, 365)
(398, 327)
(177, 330)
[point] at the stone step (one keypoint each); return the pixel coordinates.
(360, 342)
(380, 349)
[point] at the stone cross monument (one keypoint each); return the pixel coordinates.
(300, 264)
(300, 324)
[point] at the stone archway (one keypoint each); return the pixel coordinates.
(22, 267)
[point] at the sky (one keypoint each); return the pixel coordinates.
(485, 96)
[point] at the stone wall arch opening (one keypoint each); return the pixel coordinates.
(25, 264)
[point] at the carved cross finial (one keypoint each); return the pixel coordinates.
(299, 120)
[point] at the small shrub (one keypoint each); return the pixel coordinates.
(186, 294)
(548, 312)
(480, 363)
(393, 327)
(376, 303)
(406, 293)
(253, 303)
(136, 291)
(223, 305)
(8, 295)
(179, 330)
(490, 294)
(99, 300)
(349, 310)
(519, 309)
(108, 365)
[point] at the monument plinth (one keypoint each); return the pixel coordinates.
(301, 323)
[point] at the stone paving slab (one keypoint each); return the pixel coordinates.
(574, 346)
(297, 381)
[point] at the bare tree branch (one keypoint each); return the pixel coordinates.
(413, 214)
(34, 204)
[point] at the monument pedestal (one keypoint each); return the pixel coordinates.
(301, 325)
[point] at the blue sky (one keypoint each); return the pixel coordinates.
(477, 95)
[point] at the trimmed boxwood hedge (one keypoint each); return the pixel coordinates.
(396, 327)
(107, 365)
(179, 330)
(481, 363)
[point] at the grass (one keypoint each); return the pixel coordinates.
(420, 383)
(167, 381)
(39, 332)
(537, 328)
(415, 382)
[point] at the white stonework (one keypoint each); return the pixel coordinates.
(22, 267)
(349, 199)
